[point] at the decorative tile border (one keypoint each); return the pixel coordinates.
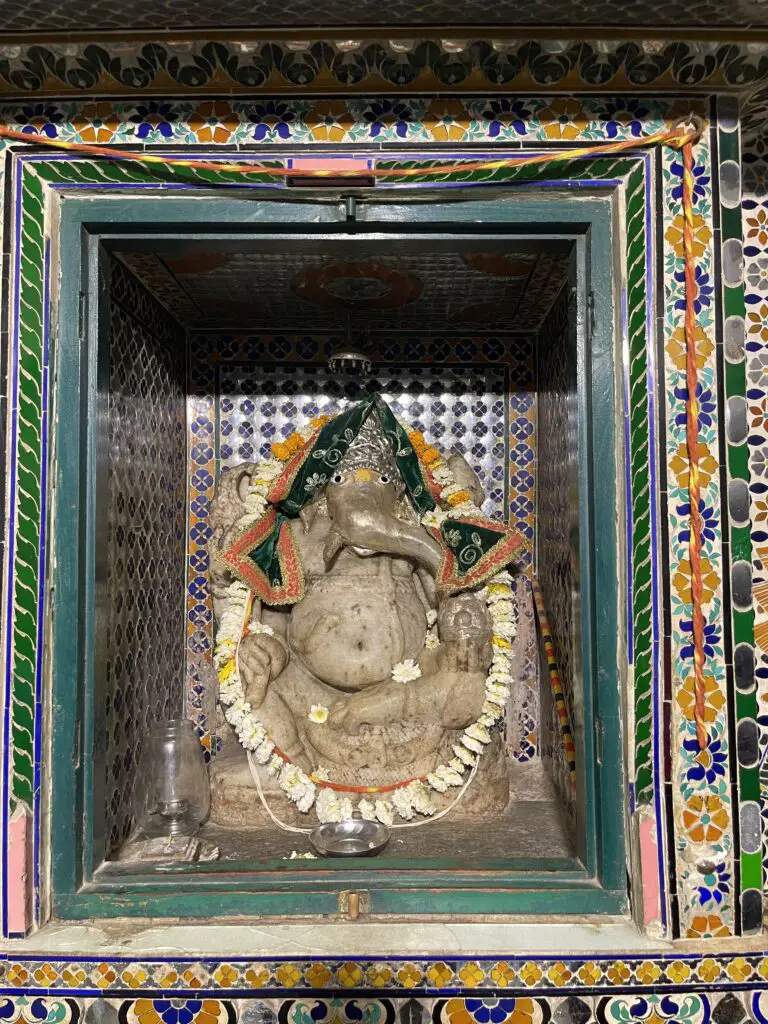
(737, 578)
(345, 1007)
(239, 977)
(452, 121)
(332, 64)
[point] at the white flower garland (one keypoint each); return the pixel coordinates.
(406, 801)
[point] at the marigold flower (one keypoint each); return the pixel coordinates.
(458, 498)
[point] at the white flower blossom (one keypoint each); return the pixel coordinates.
(420, 799)
(443, 475)
(318, 713)
(477, 732)
(301, 856)
(431, 641)
(402, 803)
(367, 810)
(275, 765)
(464, 754)
(435, 518)
(332, 806)
(472, 744)
(385, 812)
(406, 671)
(263, 753)
(447, 774)
(438, 784)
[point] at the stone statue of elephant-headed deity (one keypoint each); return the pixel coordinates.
(369, 620)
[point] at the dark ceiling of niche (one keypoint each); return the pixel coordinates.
(287, 293)
(159, 15)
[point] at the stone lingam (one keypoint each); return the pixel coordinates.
(365, 632)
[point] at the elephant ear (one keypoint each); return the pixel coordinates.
(229, 504)
(467, 478)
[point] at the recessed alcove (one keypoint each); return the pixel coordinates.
(211, 349)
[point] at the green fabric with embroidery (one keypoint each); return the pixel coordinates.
(265, 555)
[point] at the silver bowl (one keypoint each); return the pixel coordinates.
(350, 838)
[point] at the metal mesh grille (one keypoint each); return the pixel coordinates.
(145, 537)
(557, 521)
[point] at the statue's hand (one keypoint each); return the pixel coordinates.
(262, 658)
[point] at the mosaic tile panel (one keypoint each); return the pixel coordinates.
(557, 543)
(737, 578)
(752, 671)
(145, 537)
(701, 779)
(591, 119)
(543, 980)
(417, 64)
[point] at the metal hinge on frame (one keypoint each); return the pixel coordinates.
(354, 902)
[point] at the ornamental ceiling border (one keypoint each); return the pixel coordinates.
(361, 62)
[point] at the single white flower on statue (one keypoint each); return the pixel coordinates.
(434, 518)
(431, 641)
(406, 671)
(318, 714)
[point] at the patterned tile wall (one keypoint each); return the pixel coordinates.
(755, 340)
(315, 63)
(706, 906)
(346, 1008)
(145, 536)
(248, 391)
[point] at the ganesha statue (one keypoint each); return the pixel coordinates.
(365, 624)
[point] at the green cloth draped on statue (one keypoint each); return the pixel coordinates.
(265, 556)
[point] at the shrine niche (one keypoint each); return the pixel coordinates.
(362, 639)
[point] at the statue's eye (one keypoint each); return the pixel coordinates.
(384, 478)
(338, 479)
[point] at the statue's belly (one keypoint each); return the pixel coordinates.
(351, 634)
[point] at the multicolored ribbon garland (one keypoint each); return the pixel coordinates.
(674, 135)
(682, 136)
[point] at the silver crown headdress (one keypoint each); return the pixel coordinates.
(371, 450)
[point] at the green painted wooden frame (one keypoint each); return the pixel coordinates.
(599, 887)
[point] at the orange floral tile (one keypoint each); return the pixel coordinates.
(702, 235)
(704, 818)
(713, 697)
(681, 581)
(677, 351)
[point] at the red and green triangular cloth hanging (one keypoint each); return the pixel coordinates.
(266, 559)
